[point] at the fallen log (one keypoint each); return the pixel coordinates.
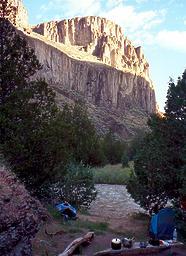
(136, 251)
(85, 240)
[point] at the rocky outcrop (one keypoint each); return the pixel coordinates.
(90, 58)
(19, 12)
(99, 37)
(20, 217)
(113, 96)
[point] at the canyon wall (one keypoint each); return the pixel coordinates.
(99, 37)
(18, 14)
(100, 84)
(91, 59)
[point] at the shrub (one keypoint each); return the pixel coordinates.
(77, 186)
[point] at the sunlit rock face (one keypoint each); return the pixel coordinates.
(19, 14)
(20, 217)
(91, 59)
(99, 37)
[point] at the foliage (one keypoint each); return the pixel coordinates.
(160, 165)
(113, 149)
(113, 174)
(26, 109)
(7, 10)
(77, 186)
(135, 144)
(83, 140)
(125, 159)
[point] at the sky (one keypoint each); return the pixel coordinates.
(159, 26)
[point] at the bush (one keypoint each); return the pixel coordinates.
(77, 186)
(125, 160)
(112, 174)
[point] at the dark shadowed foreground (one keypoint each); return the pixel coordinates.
(20, 217)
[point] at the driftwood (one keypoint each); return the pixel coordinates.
(85, 240)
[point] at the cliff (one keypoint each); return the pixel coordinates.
(120, 100)
(18, 14)
(98, 37)
(91, 59)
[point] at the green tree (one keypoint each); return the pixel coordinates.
(125, 159)
(160, 165)
(113, 149)
(77, 186)
(83, 142)
(26, 109)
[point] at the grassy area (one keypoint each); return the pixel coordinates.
(78, 226)
(112, 174)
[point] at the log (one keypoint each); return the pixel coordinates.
(136, 251)
(85, 240)
(133, 252)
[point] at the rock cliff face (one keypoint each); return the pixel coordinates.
(100, 84)
(116, 99)
(91, 59)
(19, 12)
(99, 37)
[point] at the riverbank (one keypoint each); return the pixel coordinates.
(112, 214)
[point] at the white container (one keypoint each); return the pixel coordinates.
(175, 235)
(116, 244)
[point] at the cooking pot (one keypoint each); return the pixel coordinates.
(116, 244)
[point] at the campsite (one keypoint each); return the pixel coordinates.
(105, 220)
(92, 127)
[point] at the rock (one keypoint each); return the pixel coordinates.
(20, 13)
(99, 37)
(118, 100)
(20, 217)
(89, 58)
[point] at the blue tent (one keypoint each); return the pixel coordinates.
(67, 209)
(162, 224)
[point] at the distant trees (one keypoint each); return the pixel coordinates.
(113, 148)
(160, 171)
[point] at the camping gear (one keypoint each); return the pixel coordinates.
(127, 242)
(162, 224)
(143, 244)
(67, 210)
(154, 242)
(116, 244)
(175, 235)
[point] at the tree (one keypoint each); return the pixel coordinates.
(26, 109)
(8, 11)
(159, 168)
(77, 186)
(83, 142)
(113, 148)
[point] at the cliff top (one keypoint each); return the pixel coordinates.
(97, 39)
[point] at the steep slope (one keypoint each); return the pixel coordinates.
(90, 59)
